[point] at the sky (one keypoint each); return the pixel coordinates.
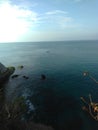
(48, 20)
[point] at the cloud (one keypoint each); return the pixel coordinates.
(24, 3)
(54, 12)
(15, 21)
(56, 19)
(29, 19)
(20, 21)
(17, 11)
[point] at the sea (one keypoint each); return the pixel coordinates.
(55, 100)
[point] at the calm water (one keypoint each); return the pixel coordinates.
(56, 100)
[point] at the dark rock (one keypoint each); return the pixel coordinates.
(43, 77)
(21, 67)
(25, 77)
(5, 72)
(15, 76)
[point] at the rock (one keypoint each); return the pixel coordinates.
(21, 67)
(25, 77)
(15, 76)
(5, 72)
(43, 77)
(3, 69)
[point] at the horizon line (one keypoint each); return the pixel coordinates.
(49, 41)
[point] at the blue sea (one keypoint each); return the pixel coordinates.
(54, 101)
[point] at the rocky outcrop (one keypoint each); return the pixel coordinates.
(3, 69)
(5, 72)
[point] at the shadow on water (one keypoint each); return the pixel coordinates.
(57, 110)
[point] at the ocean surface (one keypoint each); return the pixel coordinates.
(54, 101)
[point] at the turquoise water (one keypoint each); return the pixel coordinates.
(56, 100)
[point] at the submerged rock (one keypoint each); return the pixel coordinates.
(43, 77)
(5, 72)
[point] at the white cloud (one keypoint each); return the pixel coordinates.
(57, 19)
(18, 21)
(15, 21)
(54, 12)
(24, 4)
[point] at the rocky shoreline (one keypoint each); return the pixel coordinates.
(10, 114)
